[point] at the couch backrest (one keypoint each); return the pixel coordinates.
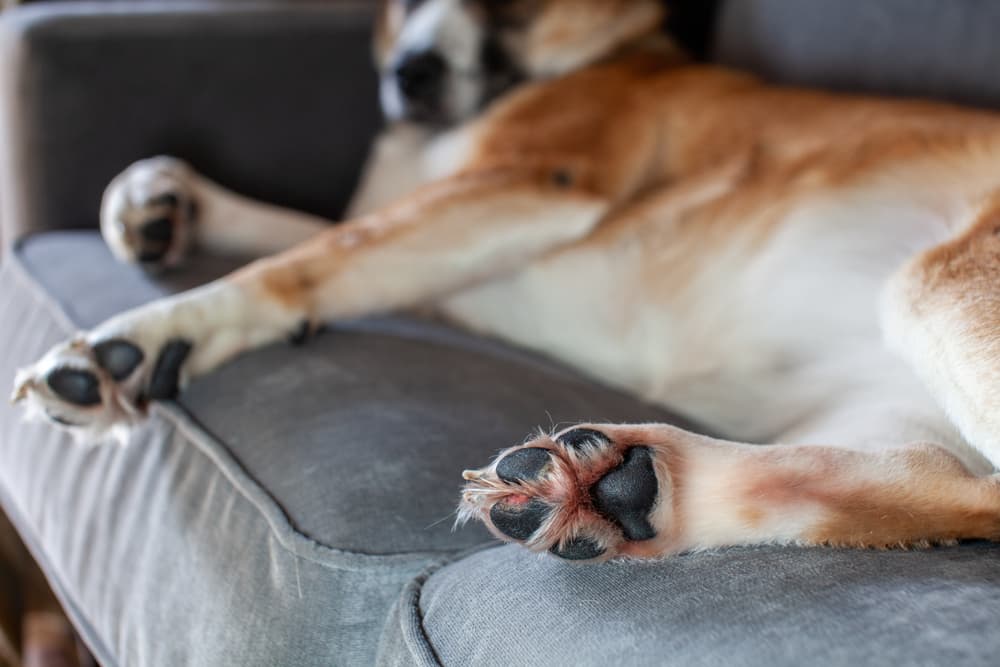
(277, 102)
(947, 49)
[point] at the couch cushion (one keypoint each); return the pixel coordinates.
(752, 606)
(928, 48)
(288, 496)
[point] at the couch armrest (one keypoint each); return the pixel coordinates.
(276, 102)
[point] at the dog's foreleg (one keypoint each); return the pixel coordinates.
(449, 235)
(158, 210)
(597, 491)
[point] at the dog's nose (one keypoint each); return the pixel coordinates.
(420, 76)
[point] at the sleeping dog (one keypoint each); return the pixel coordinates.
(783, 266)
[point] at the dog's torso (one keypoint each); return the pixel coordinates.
(737, 278)
(785, 267)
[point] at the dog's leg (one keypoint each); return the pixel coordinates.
(158, 209)
(594, 492)
(941, 312)
(444, 237)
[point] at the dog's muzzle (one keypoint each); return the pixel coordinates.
(420, 78)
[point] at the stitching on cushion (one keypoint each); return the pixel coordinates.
(94, 640)
(410, 614)
(281, 527)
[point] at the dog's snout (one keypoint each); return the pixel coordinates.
(420, 76)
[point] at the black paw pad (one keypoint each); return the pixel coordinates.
(157, 235)
(166, 375)
(626, 495)
(158, 230)
(578, 438)
(577, 548)
(519, 521)
(118, 357)
(523, 465)
(75, 386)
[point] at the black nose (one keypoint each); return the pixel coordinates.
(420, 77)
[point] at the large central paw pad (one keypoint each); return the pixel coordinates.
(580, 495)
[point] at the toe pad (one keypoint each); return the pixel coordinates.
(118, 357)
(75, 386)
(578, 438)
(519, 522)
(577, 548)
(166, 375)
(523, 465)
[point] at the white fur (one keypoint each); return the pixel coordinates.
(447, 28)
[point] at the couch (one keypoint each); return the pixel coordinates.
(296, 506)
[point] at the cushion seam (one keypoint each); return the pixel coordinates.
(242, 482)
(93, 639)
(411, 617)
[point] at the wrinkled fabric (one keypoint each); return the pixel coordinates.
(275, 513)
(775, 606)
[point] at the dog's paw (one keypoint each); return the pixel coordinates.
(586, 494)
(95, 384)
(148, 212)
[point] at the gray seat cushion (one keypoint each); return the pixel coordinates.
(734, 607)
(274, 514)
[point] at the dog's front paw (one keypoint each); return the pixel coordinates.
(583, 495)
(95, 384)
(148, 212)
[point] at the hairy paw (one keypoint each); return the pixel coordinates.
(92, 387)
(148, 212)
(585, 494)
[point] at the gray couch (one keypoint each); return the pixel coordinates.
(295, 507)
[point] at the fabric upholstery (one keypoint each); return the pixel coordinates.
(290, 503)
(945, 49)
(284, 503)
(275, 101)
(737, 607)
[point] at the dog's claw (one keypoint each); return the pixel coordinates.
(20, 392)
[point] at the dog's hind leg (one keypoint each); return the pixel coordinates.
(444, 237)
(941, 312)
(594, 492)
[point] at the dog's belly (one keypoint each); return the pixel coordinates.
(752, 338)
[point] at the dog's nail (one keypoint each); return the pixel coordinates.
(302, 333)
(20, 393)
(471, 475)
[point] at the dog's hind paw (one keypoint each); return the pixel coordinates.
(148, 212)
(585, 494)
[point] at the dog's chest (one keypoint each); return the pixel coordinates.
(746, 336)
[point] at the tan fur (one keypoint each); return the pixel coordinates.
(653, 192)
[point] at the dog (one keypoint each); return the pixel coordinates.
(812, 276)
